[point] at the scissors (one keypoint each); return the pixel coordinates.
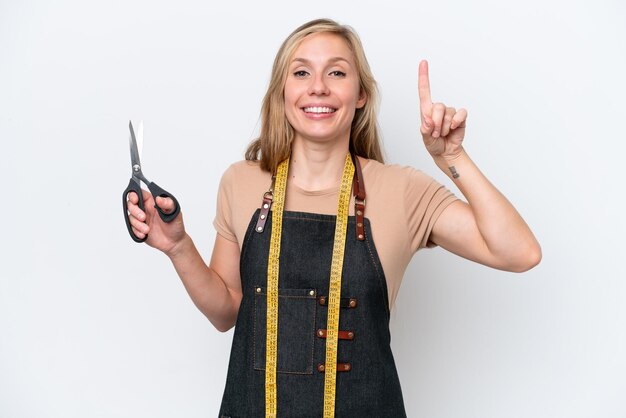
(135, 186)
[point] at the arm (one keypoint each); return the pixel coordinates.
(487, 229)
(214, 289)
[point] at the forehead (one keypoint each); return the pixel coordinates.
(323, 47)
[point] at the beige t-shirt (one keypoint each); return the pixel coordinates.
(402, 205)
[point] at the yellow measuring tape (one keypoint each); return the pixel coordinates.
(273, 261)
(339, 246)
(332, 326)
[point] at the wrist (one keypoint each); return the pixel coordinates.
(449, 163)
(180, 247)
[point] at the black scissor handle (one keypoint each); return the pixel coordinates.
(157, 191)
(132, 187)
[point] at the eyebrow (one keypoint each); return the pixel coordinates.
(330, 60)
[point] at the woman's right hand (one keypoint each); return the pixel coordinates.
(162, 236)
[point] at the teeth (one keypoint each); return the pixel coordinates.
(319, 110)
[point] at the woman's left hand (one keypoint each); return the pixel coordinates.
(443, 128)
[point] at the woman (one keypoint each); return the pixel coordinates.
(294, 263)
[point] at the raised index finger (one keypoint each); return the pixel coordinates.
(423, 85)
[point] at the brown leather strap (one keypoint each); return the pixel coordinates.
(266, 206)
(359, 199)
(343, 335)
(343, 302)
(265, 210)
(341, 367)
(359, 187)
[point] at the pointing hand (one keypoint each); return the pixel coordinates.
(443, 128)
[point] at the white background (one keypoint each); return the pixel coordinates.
(94, 325)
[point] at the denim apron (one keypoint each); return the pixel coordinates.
(367, 380)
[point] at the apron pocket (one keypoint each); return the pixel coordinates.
(296, 329)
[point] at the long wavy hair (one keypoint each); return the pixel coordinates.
(274, 142)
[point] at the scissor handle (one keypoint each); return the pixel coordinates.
(157, 191)
(132, 187)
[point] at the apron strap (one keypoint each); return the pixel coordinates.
(359, 199)
(266, 205)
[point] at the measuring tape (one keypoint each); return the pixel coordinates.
(271, 349)
(332, 326)
(339, 246)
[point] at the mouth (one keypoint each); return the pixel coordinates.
(319, 110)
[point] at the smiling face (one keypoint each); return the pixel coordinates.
(322, 89)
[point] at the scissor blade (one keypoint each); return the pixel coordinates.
(134, 151)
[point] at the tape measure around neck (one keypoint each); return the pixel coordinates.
(339, 245)
(273, 262)
(334, 292)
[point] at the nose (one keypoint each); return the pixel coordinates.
(318, 86)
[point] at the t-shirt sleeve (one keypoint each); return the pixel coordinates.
(425, 200)
(223, 221)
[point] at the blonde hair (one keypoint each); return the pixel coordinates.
(274, 142)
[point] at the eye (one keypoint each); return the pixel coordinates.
(300, 73)
(337, 73)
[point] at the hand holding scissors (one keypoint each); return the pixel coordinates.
(135, 186)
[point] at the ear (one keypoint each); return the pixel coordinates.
(362, 99)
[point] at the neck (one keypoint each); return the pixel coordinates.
(317, 166)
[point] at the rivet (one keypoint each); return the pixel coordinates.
(322, 300)
(359, 224)
(262, 216)
(260, 229)
(258, 290)
(320, 333)
(321, 367)
(351, 335)
(358, 212)
(346, 367)
(352, 303)
(360, 236)
(312, 292)
(265, 206)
